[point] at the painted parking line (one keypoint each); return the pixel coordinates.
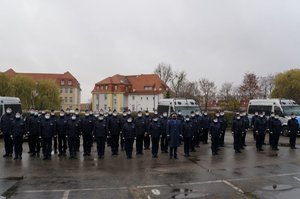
(298, 179)
(66, 194)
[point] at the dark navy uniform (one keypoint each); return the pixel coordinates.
(260, 127)
(237, 130)
(29, 137)
(205, 128)
(140, 129)
(147, 137)
(61, 125)
(114, 127)
(195, 129)
(246, 127)
(199, 130)
(53, 118)
(174, 129)
(215, 131)
(223, 123)
(18, 129)
(47, 134)
(5, 127)
(155, 132)
(293, 127)
(100, 131)
(275, 131)
(34, 133)
(123, 121)
(73, 132)
(253, 120)
(164, 140)
(187, 134)
(269, 123)
(129, 134)
(87, 134)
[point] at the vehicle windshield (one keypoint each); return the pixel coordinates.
(186, 110)
(288, 110)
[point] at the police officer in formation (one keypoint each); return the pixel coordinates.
(33, 134)
(18, 130)
(188, 135)
(61, 124)
(293, 127)
(114, 126)
(140, 128)
(5, 127)
(155, 133)
(223, 124)
(260, 127)
(47, 134)
(164, 140)
(73, 132)
(100, 131)
(87, 133)
(147, 119)
(246, 121)
(215, 132)
(275, 129)
(129, 134)
(174, 127)
(237, 131)
(205, 124)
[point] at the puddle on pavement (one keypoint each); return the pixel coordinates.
(186, 193)
(279, 192)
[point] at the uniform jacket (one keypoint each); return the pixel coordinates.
(18, 127)
(100, 128)
(174, 129)
(155, 129)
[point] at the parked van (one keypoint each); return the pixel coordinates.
(282, 107)
(185, 106)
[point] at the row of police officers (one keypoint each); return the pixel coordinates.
(45, 129)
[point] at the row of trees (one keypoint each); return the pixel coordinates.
(41, 95)
(283, 85)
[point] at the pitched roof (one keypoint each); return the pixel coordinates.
(136, 83)
(49, 76)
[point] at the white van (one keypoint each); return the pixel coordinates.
(282, 107)
(185, 106)
(13, 102)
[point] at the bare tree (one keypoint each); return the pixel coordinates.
(250, 87)
(226, 90)
(177, 82)
(165, 72)
(189, 90)
(266, 84)
(208, 90)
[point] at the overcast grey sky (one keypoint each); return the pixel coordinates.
(216, 39)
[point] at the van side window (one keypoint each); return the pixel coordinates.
(256, 108)
(277, 110)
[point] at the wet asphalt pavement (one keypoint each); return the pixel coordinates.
(251, 174)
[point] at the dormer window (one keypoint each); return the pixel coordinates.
(148, 88)
(70, 82)
(62, 82)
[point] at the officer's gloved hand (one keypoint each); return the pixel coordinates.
(40, 137)
(11, 136)
(232, 132)
(66, 136)
(24, 136)
(271, 133)
(210, 135)
(55, 136)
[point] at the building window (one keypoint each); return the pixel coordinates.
(69, 82)
(115, 101)
(106, 87)
(147, 88)
(126, 88)
(62, 82)
(153, 98)
(105, 107)
(146, 98)
(61, 90)
(66, 99)
(71, 90)
(66, 90)
(101, 87)
(141, 98)
(105, 97)
(133, 108)
(116, 87)
(71, 99)
(133, 98)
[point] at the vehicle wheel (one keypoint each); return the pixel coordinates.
(285, 131)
